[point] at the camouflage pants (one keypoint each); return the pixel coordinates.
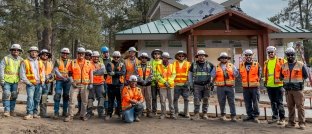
(201, 93)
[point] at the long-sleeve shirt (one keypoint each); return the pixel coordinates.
(34, 63)
(3, 65)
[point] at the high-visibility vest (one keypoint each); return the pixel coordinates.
(130, 67)
(11, 69)
(109, 79)
(29, 72)
(277, 70)
(81, 75)
(220, 79)
(201, 75)
(62, 68)
(98, 79)
(154, 63)
(164, 75)
(295, 76)
(250, 78)
(48, 67)
(181, 72)
(147, 72)
(128, 94)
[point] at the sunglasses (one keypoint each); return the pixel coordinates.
(81, 53)
(65, 53)
(181, 56)
(247, 55)
(14, 50)
(290, 55)
(116, 57)
(156, 53)
(143, 58)
(45, 55)
(223, 58)
(270, 52)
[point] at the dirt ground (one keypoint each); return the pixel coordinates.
(16, 125)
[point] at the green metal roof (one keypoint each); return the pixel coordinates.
(163, 26)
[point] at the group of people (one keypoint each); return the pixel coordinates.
(122, 86)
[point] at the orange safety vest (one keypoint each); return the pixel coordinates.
(295, 76)
(277, 70)
(182, 72)
(251, 78)
(62, 68)
(29, 72)
(98, 79)
(147, 71)
(128, 94)
(81, 75)
(48, 67)
(130, 67)
(109, 79)
(220, 80)
(165, 73)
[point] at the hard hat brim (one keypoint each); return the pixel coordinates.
(32, 50)
(176, 55)
(21, 50)
(148, 58)
(196, 56)
(225, 57)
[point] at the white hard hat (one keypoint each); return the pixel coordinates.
(65, 50)
(81, 50)
(116, 54)
(95, 54)
(248, 51)
(33, 48)
(16, 46)
(44, 51)
(89, 51)
(133, 78)
(165, 55)
(223, 54)
(271, 49)
(144, 55)
(201, 52)
(132, 49)
(290, 50)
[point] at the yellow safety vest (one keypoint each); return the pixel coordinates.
(11, 69)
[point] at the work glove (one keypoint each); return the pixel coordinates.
(90, 86)
(111, 73)
(65, 79)
(144, 83)
(167, 84)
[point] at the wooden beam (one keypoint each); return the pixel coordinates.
(189, 48)
(260, 50)
(225, 32)
(195, 44)
(227, 24)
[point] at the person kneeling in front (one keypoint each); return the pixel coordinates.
(132, 101)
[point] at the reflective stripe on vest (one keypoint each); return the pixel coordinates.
(134, 94)
(181, 72)
(81, 75)
(109, 79)
(165, 73)
(148, 69)
(98, 79)
(295, 76)
(250, 78)
(201, 74)
(277, 70)
(29, 72)
(62, 68)
(11, 70)
(130, 67)
(220, 77)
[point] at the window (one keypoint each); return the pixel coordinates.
(152, 44)
(174, 44)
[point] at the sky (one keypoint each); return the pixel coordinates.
(260, 9)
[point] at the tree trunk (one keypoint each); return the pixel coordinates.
(37, 16)
(300, 13)
(47, 31)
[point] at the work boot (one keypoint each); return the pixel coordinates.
(174, 116)
(195, 117)
(289, 125)
(301, 126)
(12, 113)
(64, 114)
(149, 115)
(6, 114)
(223, 118)
(187, 115)
(205, 116)
(248, 119)
(162, 116)
(281, 122)
(233, 119)
(28, 117)
(84, 118)
(36, 116)
(56, 116)
(273, 121)
(108, 117)
(137, 119)
(256, 120)
(68, 119)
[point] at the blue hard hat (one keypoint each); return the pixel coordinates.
(104, 49)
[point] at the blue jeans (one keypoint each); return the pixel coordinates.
(61, 87)
(105, 96)
(251, 99)
(9, 96)
(33, 98)
(130, 114)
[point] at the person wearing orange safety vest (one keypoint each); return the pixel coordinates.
(293, 74)
(145, 75)
(45, 57)
(9, 78)
(62, 84)
(250, 72)
(181, 87)
(166, 74)
(32, 73)
(224, 77)
(131, 62)
(132, 101)
(271, 73)
(98, 86)
(80, 72)
(115, 81)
